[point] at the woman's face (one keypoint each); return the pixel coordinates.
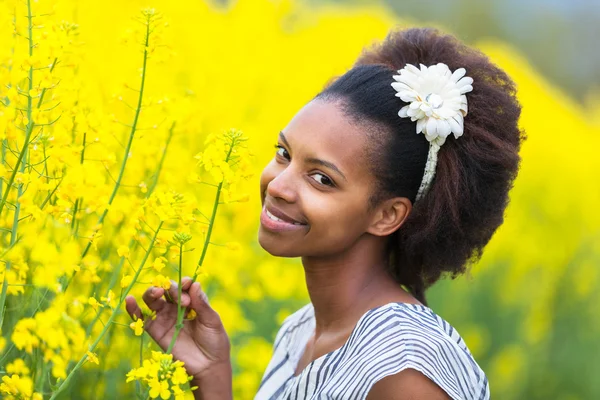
(315, 190)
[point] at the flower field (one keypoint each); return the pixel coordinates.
(132, 142)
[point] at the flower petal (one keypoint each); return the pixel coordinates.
(467, 80)
(411, 68)
(420, 125)
(458, 131)
(459, 73)
(431, 129)
(444, 128)
(412, 112)
(466, 89)
(407, 96)
(399, 86)
(403, 112)
(454, 126)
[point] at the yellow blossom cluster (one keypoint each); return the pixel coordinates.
(163, 376)
(15, 387)
(17, 383)
(55, 332)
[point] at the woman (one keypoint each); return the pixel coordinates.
(395, 174)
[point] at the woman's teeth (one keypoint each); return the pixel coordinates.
(274, 218)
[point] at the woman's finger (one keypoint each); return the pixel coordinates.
(173, 294)
(134, 311)
(199, 303)
(153, 298)
(186, 282)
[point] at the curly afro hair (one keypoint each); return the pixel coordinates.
(449, 227)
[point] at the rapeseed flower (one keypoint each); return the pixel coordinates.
(161, 281)
(15, 387)
(162, 375)
(18, 367)
(137, 326)
(92, 357)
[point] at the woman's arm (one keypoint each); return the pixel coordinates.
(408, 384)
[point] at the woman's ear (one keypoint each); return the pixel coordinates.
(389, 216)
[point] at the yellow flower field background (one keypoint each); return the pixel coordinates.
(132, 142)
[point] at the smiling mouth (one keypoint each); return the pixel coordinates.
(274, 218)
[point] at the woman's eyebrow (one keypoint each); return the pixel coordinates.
(283, 139)
(317, 161)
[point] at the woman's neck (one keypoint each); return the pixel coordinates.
(344, 287)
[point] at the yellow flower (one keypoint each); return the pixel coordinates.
(178, 393)
(18, 367)
(191, 315)
(159, 388)
(147, 313)
(161, 281)
(162, 375)
(109, 300)
(20, 387)
(159, 263)
(94, 303)
(123, 251)
(137, 326)
(59, 367)
(136, 374)
(93, 357)
(126, 281)
(180, 376)
(23, 335)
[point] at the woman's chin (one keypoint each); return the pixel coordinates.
(274, 246)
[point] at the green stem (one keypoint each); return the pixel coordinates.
(44, 89)
(127, 148)
(162, 160)
(138, 386)
(179, 324)
(18, 166)
(212, 219)
(113, 315)
(39, 381)
(79, 200)
(117, 271)
(131, 136)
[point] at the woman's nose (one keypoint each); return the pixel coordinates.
(283, 186)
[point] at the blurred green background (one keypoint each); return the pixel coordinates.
(559, 37)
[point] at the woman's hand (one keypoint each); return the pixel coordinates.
(202, 343)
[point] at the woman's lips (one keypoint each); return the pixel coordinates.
(273, 223)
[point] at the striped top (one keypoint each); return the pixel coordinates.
(385, 341)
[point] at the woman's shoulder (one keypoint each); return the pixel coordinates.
(398, 336)
(406, 321)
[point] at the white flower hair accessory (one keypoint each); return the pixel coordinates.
(438, 103)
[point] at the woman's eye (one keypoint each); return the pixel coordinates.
(282, 152)
(322, 179)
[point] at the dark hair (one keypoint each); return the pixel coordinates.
(449, 227)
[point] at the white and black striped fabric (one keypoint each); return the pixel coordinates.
(385, 341)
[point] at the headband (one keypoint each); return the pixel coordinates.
(438, 103)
